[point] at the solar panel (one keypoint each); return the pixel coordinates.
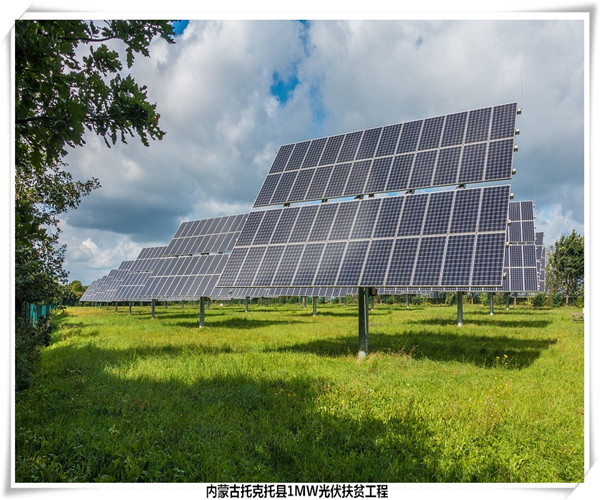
(540, 256)
(217, 234)
(467, 147)
(419, 245)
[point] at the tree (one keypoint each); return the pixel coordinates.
(68, 81)
(566, 269)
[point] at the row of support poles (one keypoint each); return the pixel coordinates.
(314, 301)
(201, 319)
(491, 301)
(363, 322)
(459, 308)
(152, 308)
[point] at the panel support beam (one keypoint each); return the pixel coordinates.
(459, 308)
(363, 322)
(491, 301)
(201, 319)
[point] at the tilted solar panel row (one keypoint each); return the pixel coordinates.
(472, 146)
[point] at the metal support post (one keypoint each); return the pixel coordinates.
(130, 308)
(116, 307)
(372, 303)
(304, 300)
(201, 322)
(152, 308)
(515, 303)
(363, 322)
(246, 304)
(207, 304)
(314, 301)
(107, 306)
(182, 304)
(459, 308)
(345, 300)
(165, 305)
(407, 300)
(491, 301)
(507, 300)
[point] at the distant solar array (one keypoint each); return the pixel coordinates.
(467, 147)
(540, 256)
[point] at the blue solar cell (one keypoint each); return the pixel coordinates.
(454, 129)
(528, 231)
(515, 253)
(251, 264)
(478, 125)
(389, 139)
(458, 261)
(234, 264)
(287, 265)
(499, 161)
(514, 211)
(531, 280)
(314, 153)
(422, 172)
(529, 259)
(379, 175)
(303, 223)
(376, 263)
(369, 143)
(503, 121)
(267, 269)
(389, 216)
(514, 232)
(526, 210)
(494, 209)
(283, 188)
(303, 180)
(338, 179)
(267, 226)
(446, 169)
(365, 219)
(516, 279)
(323, 222)
(332, 149)
(409, 137)
(402, 262)
(352, 265)
(266, 192)
(487, 262)
(429, 261)
(412, 215)
(357, 178)
(285, 225)
(472, 164)
(308, 264)
(351, 142)
(319, 182)
(432, 131)
(297, 156)
(438, 212)
(400, 172)
(250, 228)
(281, 159)
(330, 263)
(344, 220)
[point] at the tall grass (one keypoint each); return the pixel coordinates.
(277, 395)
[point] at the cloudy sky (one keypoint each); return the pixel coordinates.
(231, 92)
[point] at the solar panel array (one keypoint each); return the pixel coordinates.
(472, 146)
(429, 239)
(206, 235)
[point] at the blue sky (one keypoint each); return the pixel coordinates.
(231, 92)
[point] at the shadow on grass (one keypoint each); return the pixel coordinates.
(232, 427)
(481, 351)
(491, 321)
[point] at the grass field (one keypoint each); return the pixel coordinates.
(277, 395)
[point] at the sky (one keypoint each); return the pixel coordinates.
(231, 92)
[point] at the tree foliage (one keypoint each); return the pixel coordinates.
(566, 266)
(69, 80)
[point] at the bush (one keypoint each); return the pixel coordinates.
(484, 299)
(450, 299)
(28, 339)
(538, 300)
(579, 302)
(416, 300)
(558, 300)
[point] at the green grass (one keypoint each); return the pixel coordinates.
(277, 395)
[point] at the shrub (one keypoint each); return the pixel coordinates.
(28, 339)
(450, 299)
(538, 300)
(417, 300)
(579, 302)
(484, 299)
(558, 300)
